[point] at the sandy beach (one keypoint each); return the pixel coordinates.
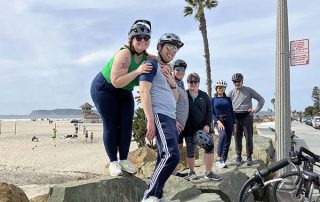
(34, 166)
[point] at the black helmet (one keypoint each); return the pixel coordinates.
(237, 77)
(171, 39)
(179, 63)
(140, 27)
(203, 140)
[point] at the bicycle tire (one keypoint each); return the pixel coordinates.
(285, 189)
(244, 192)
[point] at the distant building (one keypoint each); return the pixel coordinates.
(88, 115)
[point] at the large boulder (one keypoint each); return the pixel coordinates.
(179, 188)
(11, 193)
(112, 189)
(263, 150)
(41, 198)
(228, 188)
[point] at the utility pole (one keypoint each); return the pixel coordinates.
(282, 100)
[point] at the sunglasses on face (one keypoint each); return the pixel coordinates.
(180, 69)
(193, 82)
(145, 38)
(171, 47)
(236, 81)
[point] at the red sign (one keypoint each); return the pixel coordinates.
(300, 54)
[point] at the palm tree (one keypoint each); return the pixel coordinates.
(198, 6)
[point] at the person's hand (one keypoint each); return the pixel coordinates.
(151, 130)
(220, 125)
(206, 129)
(144, 68)
(252, 111)
(179, 127)
(165, 69)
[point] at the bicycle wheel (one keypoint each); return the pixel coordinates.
(286, 189)
(245, 193)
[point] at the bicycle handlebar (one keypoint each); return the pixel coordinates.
(310, 153)
(274, 167)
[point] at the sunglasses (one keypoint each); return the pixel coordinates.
(193, 82)
(236, 81)
(171, 47)
(180, 69)
(144, 37)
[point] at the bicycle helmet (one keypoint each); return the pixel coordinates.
(179, 63)
(170, 38)
(203, 140)
(221, 83)
(140, 27)
(237, 77)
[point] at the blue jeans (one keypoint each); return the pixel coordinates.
(116, 108)
(225, 138)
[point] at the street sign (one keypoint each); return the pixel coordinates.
(300, 54)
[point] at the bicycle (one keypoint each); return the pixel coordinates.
(299, 185)
(257, 183)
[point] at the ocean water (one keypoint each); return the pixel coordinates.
(44, 117)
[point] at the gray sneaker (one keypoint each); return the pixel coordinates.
(249, 161)
(192, 176)
(238, 161)
(212, 176)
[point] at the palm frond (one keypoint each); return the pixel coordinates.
(188, 10)
(192, 3)
(211, 4)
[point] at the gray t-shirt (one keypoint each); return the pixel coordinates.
(162, 98)
(182, 104)
(242, 99)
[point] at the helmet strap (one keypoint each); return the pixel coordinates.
(161, 60)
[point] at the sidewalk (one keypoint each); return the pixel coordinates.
(307, 136)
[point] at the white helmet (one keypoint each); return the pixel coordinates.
(221, 83)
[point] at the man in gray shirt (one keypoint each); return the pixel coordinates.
(242, 106)
(158, 92)
(179, 69)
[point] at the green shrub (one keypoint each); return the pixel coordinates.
(139, 128)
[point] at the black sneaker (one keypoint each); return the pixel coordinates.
(238, 161)
(192, 176)
(212, 176)
(249, 161)
(181, 174)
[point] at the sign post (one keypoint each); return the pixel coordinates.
(300, 54)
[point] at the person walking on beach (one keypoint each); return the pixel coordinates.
(111, 92)
(242, 106)
(158, 93)
(199, 118)
(86, 135)
(91, 137)
(224, 121)
(182, 108)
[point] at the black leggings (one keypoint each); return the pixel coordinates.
(116, 108)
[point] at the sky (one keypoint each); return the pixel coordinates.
(50, 51)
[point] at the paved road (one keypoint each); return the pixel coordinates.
(308, 136)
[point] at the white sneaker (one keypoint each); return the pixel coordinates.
(151, 199)
(127, 166)
(115, 169)
(221, 164)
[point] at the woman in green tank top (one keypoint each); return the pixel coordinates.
(111, 92)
